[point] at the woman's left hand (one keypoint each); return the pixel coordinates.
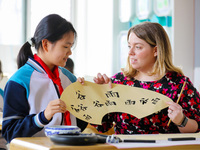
(102, 79)
(175, 113)
(81, 80)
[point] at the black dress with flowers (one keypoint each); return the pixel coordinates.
(170, 85)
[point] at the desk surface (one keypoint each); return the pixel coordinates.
(44, 143)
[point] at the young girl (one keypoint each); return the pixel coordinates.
(31, 98)
(149, 66)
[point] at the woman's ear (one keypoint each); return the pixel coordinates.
(45, 45)
(155, 51)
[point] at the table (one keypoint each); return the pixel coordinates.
(44, 143)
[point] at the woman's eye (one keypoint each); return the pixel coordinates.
(138, 47)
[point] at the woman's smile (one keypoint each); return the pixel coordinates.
(133, 61)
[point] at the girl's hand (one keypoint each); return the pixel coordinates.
(175, 113)
(81, 80)
(55, 106)
(102, 79)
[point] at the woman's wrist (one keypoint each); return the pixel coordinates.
(183, 122)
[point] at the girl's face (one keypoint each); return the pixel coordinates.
(141, 55)
(58, 52)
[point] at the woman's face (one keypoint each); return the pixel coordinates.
(141, 55)
(59, 52)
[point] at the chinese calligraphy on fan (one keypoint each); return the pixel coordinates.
(108, 102)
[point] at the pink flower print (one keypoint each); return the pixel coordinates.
(190, 92)
(169, 95)
(135, 121)
(188, 114)
(164, 117)
(118, 118)
(197, 117)
(164, 124)
(155, 119)
(124, 126)
(157, 85)
(198, 106)
(174, 94)
(129, 83)
(121, 131)
(192, 102)
(164, 91)
(184, 105)
(198, 100)
(175, 87)
(146, 121)
(145, 86)
(169, 76)
(124, 116)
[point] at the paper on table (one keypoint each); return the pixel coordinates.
(161, 140)
(159, 143)
(90, 102)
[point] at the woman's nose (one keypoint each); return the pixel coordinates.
(131, 51)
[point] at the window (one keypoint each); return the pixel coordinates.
(41, 8)
(11, 22)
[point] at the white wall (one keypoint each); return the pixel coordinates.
(197, 45)
(94, 23)
(8, 55)
(183, 36)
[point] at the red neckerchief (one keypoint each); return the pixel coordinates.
(54, 76)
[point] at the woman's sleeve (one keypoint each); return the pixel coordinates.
(191, 102)
(16, 119)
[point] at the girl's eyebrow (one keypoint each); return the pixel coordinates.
(70, 43)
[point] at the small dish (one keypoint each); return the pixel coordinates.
(62, 129)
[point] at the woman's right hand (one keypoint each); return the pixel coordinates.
(102, 79)
(55, 106)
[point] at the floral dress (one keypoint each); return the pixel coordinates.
(170, 85)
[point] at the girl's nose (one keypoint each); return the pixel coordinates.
(70, 51)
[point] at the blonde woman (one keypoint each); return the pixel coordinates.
(150, 66)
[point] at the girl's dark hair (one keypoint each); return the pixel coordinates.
(70, 65)
(52, 28)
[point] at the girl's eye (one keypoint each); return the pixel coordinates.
(68, 46)
(129, 46)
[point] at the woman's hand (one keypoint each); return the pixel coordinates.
(81, 80)
(175, 113)
(102, 79)
(55, 106)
